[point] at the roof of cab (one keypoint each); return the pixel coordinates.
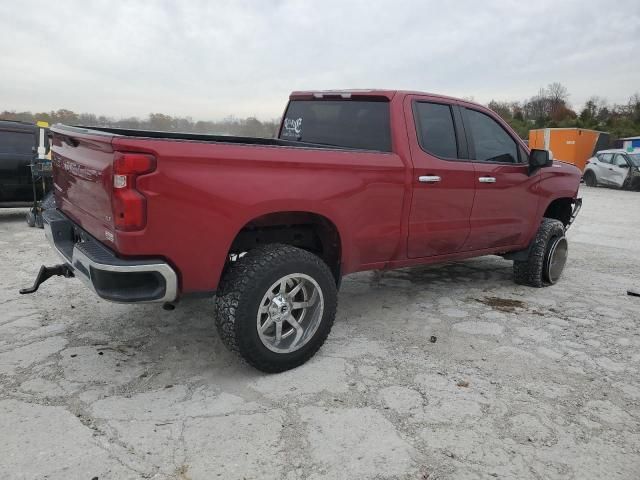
(16, 125)
(388, 94)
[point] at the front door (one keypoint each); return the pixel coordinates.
(506, 198)
(617, 172)
(442, 178)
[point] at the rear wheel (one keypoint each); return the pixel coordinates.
(276, 306)
(590, 179)
(547, 256)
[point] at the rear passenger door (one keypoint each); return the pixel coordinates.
(506, 198)
(442, 177)
(601, 168)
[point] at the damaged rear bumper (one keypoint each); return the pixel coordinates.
(110, 277)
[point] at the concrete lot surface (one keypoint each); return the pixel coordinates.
(521, 383)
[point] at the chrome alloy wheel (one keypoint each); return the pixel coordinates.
(290, 313)
(556, 259)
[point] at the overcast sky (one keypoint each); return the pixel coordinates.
(211, 59)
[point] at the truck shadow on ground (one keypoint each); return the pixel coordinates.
(158, 347)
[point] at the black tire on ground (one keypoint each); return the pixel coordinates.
(31, 219)
(590, 179)
(531, 272)
(241, 292)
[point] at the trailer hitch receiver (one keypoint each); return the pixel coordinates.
(45, 273)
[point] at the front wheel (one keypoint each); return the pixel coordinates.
(547, 256)
(276, 306)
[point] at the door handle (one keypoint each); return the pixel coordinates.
(429, 179)
(487, 179)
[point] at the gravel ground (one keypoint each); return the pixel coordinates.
(521, 383)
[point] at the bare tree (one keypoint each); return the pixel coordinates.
(558, 95)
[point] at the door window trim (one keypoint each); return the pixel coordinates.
(606, 162)
(458, 130)
(621, 155)
(471, 144)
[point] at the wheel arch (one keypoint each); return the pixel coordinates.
(560, 209)
(304, 229)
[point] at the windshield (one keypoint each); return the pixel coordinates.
(362, 124)
(635, 158)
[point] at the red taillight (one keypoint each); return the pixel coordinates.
(129, 205)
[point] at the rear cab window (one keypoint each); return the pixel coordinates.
(349, 123)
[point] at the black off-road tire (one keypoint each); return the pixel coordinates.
(242, 289)
(531, 271)
(590, 179)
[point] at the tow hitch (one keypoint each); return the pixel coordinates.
(45, 273)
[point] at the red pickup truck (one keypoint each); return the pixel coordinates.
(355, 180)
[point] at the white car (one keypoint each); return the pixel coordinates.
(615, 168)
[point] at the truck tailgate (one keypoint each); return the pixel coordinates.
(82, 177)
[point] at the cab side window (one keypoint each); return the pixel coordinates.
(492, 142)
(435, 128)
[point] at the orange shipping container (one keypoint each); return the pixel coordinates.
(571, 145)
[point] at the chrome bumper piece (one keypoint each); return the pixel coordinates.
(110, 277)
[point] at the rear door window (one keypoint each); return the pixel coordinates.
(435, 128)
(492, 142)
(361, 124)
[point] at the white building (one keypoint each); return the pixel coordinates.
(631, 143)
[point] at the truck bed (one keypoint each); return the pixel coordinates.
(195, 137)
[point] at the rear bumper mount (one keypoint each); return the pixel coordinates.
(110, 277)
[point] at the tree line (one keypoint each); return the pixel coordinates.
(250, 126)
(550, 107)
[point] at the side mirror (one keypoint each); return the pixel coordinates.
(539, 159)
(624, 165)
